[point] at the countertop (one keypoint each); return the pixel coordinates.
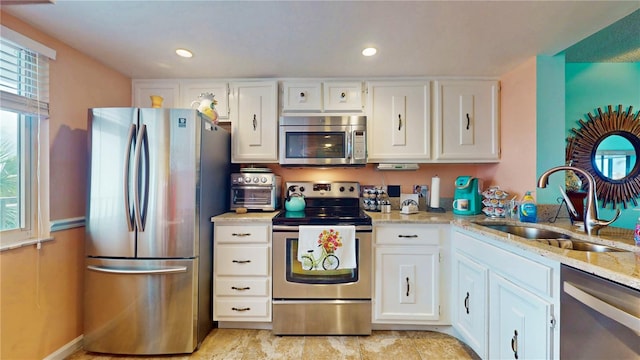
(621, 267)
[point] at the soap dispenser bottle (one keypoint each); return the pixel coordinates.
(528, 209)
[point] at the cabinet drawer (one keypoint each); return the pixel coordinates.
(241, 287)
(242, 309)
(242, 260)
(407, 235)
(525, 272)
(242, 234)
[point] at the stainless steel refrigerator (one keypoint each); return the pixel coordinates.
(156, 177)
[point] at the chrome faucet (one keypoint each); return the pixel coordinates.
(592, 224)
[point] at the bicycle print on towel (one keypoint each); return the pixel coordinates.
(329, 241)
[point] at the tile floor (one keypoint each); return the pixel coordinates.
(235, 344)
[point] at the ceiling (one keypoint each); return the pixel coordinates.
(246, 39)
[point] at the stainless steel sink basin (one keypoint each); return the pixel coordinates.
(551, 238)
(527, 232)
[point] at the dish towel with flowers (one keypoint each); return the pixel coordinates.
(337, 240)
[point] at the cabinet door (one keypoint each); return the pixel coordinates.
(407, 283)
(191, 90)
(342, 96)
(467, 120)
(143, 89)
(470, 312)
(520, 323)
(254, 122)
(399, 123)
(300, 96)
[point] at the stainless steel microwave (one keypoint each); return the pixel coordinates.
(323, 140)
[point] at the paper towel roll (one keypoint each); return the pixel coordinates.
(435, 192)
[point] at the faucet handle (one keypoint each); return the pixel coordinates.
(606, 223)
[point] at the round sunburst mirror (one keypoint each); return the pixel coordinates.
(607, 146)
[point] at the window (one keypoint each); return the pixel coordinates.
(24, 110)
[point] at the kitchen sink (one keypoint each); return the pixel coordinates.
(527, 232)
(551, 238)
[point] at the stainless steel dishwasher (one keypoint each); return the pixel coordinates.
(599, 319)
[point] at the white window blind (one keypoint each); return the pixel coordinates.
(24, 75)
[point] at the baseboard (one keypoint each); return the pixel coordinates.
(68, 349)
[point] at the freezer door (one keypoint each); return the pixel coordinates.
(170, 140)
(109, 220)
(140, 307)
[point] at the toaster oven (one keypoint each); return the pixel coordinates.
(255, 191)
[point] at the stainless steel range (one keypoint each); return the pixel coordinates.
(319, 293)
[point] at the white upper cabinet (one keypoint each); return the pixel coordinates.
(169, 90)
(301, 96)
(342, 96)
(254, 122)
(466, 121)
(314, 96)
(181, 93)
(399, 121)
(191, 90)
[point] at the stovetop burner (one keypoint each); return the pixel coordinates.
(327, 203)
(322, 216)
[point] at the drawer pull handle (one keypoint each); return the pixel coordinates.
(241, 234)
(514, 344)
(407, 286)
(240, 288)
(407, 236)
(241, 261)
(240, 309)
(466, 302)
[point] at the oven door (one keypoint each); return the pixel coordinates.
(318, 145)
(291, 281)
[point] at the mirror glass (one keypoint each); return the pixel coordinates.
(615, 157)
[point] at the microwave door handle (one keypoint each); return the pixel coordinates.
(350, 141)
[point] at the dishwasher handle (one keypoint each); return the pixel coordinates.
(608, 310)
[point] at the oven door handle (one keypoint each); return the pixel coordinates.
(359, 228)
(245, 187)
(606, 309)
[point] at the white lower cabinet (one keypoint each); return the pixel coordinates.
(242, 272)
(407, 274)
(470, 302)
(519, 322)
(503, 299)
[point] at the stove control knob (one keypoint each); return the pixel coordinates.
(247, 179)
(341, 188)
(256, 180)
(351, 189)
(301, 188)
(238, 180)
(263, 180)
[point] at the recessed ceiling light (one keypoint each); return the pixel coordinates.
(370, 51)
(184, 53)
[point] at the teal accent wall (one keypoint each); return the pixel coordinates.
(589, 86)
(550, 123)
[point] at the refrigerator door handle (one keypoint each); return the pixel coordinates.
(159, 271)
(136, 176)
(127, 164)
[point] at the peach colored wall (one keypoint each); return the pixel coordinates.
(41, 290)
(516, 171)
